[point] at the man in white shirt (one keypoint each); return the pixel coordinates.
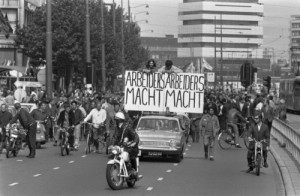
(98, 116)
(169, 68)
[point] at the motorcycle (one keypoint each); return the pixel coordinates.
(66, 140)
(13, 141)
(40, 133)
(119, 168)
(258, 155)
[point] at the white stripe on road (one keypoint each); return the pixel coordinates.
(71, 161)
(36, 175)
(187, 149)
(160, 179)
(19, 160)
(13, 184)
(184, 153)
(149, 188)
(83, 156)
(189, 145)
(56, 168)
(175, 164)
(169, 171)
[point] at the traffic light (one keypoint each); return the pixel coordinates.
(247, 74)
(267, 82)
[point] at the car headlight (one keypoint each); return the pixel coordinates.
(172, 143)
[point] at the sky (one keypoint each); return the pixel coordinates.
(163, 19)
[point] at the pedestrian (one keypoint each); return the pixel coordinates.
(9, 99)
(78, 117)
(209, 127)
(281, 110)
(28, 123)
(5, 117)
(268, 114)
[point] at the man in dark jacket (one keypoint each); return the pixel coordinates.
(258, 131)
(5, 117)
(78, 117)
(28, 122)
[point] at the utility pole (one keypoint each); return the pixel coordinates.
(89, 66)
(103, 49)
(122, 50)
(49, 71)
(114, 18)
(221, 45)
(215, 53)
(129, 12)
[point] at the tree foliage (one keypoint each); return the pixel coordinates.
(68, 27)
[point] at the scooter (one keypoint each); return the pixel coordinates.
(119, 169)
(13, 141)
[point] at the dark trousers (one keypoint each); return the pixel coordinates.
(31, 139)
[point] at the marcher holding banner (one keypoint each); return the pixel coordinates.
(169, 68)
(150, 67)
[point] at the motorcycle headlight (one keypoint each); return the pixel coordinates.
(115, 150)
(172, 143)
(259, 145)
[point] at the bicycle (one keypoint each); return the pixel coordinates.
(90, 138)
(226, 137)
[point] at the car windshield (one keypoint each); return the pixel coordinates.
(158, 124)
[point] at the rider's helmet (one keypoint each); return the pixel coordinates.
(120, 119)
(120, 116)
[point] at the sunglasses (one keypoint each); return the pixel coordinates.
(256, 118)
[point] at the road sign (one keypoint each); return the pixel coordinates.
(210, 76)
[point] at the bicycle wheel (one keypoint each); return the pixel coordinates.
(102, 143)
(88, 144)
(258, 163)
(224, 140)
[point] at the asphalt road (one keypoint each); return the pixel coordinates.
(51, 174)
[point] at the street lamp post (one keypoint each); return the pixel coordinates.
(122, 48)
(49, 52)
(103, 49)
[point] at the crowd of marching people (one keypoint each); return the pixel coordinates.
(230, 109)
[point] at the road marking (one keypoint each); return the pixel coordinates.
(83, 156)
(160, 179)
(169, 171)
(56, 168)
(189, 145)
(175, 164)
(184, 153)
(36, 175)
(149, 188)
(13, 184)
(187, 149)
(71, 162)
(19, 160)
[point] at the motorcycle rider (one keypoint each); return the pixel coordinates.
(5, 117)
(233, 116)
(125, 130)
(40, 114)
(28, 123)
(258, 131)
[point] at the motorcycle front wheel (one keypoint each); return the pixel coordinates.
(224, 140)
(113, 178)
(9, 148)
(258, 163)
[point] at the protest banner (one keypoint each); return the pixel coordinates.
(182, 92)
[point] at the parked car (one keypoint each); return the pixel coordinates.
(162, 136)
(40, 132)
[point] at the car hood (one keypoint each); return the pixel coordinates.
(158, 135)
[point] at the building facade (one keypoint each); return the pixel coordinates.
(233, 26)
(161, 48)
(295, 42)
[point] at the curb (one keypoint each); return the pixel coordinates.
(287, 182)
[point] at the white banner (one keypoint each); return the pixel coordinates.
(210, 76)
(182, 92)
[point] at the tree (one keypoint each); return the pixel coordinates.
(68, 26)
